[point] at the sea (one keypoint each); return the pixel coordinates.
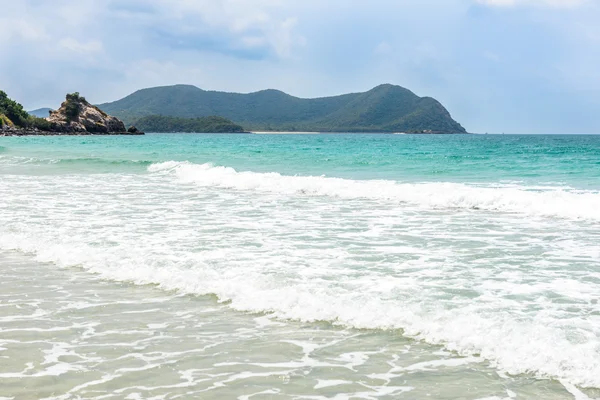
(332, 266)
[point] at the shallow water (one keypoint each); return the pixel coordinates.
(368, 266)
(66, 334)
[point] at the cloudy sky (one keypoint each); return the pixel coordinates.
(514, 66)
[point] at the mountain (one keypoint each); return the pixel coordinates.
(159, 123)
(385, 108)
(40, 112)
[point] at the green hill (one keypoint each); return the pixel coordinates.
(386, 108)
(212, 124)
(12, 114)
(11, 111)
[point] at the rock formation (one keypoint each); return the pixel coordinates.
(77, 116)
(74, 117)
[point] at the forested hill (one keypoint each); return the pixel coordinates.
(386, 108)
(159, 123)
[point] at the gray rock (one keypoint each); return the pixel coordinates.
(134, 131)
(87, 119)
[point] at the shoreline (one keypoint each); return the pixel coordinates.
(26, 132)
(48, 133)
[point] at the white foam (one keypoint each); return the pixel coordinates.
(514, 346)
(559, 202)
(434, 364)
(514, 290)
(510, 395)
(325, 383)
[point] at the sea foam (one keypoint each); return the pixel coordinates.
(519, 292)
(548, 201)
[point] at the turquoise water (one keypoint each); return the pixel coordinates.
(356, 266)
(572, 160)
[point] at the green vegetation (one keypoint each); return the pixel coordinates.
(39, 123)
(13, 114)
(212, 124)
(386, 108)
(73, 106)
(12, 110)
(4, 120)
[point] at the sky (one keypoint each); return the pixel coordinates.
(499, 66)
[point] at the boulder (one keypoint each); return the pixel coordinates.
(76, 115)
(134, 131)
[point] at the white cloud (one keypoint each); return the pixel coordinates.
(248, 23)
(18, 29)
(237, 25)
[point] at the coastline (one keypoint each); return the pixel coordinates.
(27, 132)
(36, 132)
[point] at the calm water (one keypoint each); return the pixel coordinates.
(300, 267)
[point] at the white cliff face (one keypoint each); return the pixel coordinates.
(89, 119)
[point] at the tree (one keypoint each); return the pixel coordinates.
(13, 110)
(73, 106)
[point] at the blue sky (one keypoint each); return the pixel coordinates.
(514, 66)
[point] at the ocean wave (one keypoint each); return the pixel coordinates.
(541, 201)
(520, 292)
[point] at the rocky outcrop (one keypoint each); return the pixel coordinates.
(134, 131)
(77, 116)
(17, 131)
(74, 117)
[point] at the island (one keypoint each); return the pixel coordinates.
(76, 116)
(386, 108)
(185, 108)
